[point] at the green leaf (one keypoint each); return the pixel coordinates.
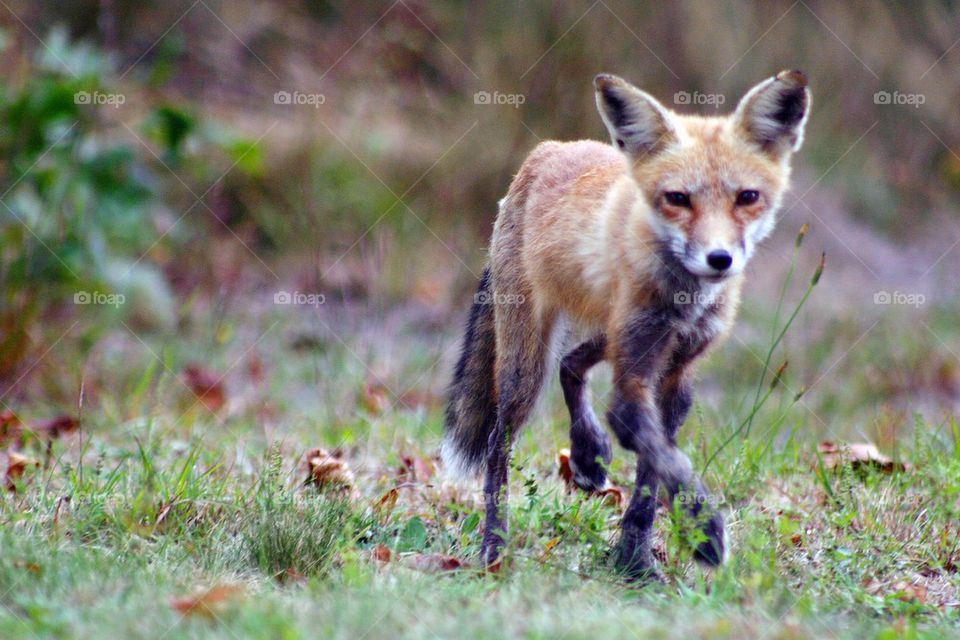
(414, 536)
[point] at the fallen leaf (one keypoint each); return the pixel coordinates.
(432, 562)
(901, 590)
(858, 455)
(255, 367)
(10, 428)
(387, 503)
(910, 592)
(292, 575)
(207, 603)
(547, 548)
(381, 553)
(613, 496)
(327, 470)
(206, 385)
(416, 469)
(32, 567)
(56, 427)
(16, 466)
(565, 470)
(374, 398)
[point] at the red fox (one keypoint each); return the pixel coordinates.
(639, 247)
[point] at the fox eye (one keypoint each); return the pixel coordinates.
(747, 197)
(678, 199)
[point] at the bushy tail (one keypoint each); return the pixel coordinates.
(472, 407)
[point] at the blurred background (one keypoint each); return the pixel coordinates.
(282, 207)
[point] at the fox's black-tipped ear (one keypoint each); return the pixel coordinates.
(637, 123)
(773, 114)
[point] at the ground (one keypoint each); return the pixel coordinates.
(180, 507)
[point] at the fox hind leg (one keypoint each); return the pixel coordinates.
(590, 449)
(523, 350)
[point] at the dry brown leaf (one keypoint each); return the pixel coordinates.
(207, 386)
(551, 544)
(432, 562)
(387, 503)
(901, 590)
(255, 367)
(613, 496)
(10, 428)
(56, 427)
(207, 603)
(327, 470)
(381, 553)
(857, 455)
(564, 468)
(910, 592)
(374, 398)
(291, 574)
(16, 466)
(32, 567)
(416, 469)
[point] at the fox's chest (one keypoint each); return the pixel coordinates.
(704, 312)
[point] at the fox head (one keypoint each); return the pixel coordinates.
(713, 184)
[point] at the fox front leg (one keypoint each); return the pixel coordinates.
(643, 351)
(675, 397)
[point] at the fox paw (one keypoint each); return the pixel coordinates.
(712, 551)
(638, 569)
(589, 457)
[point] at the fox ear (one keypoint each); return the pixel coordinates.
(637, 123)
(773, 114)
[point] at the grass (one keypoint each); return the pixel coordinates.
(165, 517)
(161, 518)
(160, 501)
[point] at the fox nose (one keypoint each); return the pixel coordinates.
(719, 260)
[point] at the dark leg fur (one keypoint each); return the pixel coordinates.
(521, 369)
(496, 492)
(635, 555)
(645, 417)
(675, 400)
(590, 450)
